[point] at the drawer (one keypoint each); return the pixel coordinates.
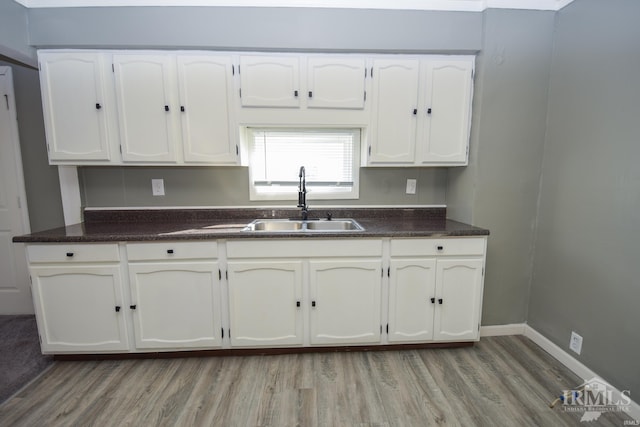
(300, 248)
(448, 246)
(73, 252)
(163, 251)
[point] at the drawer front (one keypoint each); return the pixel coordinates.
(73, 252)
(163, 251)
(449, 246)
(299, 248)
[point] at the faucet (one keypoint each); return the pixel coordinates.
(302, 194)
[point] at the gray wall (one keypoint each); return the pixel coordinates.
(587, 270)
(14, 33)
(499, 188)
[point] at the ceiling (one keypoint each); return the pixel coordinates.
(441, 5)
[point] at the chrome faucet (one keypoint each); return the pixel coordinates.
(302, 194)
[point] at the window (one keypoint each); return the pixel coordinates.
(329, 156)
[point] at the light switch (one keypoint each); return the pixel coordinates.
(411, 186)
(157, 187)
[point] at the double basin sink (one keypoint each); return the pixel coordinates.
(302, 226)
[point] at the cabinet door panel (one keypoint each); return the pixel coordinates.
(79, 309)
(144, 91)
(412, 285)
(268, 81)
(460, 289)
(393, 122)
(177, 305)
(446, 128)
(347, 299)
(335, 83)
(75, 106)
(263, 303)
(205, 105)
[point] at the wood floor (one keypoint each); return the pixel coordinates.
(501, 381)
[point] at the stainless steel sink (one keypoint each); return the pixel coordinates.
(300, 226)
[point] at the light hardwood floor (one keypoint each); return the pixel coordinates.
(501, 381)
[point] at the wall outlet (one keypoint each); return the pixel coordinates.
(411, 186)
(157, 187)
(575, 343)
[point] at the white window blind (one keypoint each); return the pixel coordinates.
(328, 155)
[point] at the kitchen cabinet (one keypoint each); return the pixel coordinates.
(175, 295)
(345, 301)
(78, 298)
(265, 303)
(79, 107)
(269, 81)
(335, 82)
(435, 289)
(421, 111)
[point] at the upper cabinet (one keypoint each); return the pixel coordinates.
(336, 82)
(269, 81)
(421, 113)
(79, 107)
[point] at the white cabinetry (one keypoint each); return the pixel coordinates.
(79, 107)
(335, 82)
(435, 289)
(175, 295)
(78, 298)
(422, 111)
(269, 81)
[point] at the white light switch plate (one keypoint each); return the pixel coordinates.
(157, 187)
(411, 186)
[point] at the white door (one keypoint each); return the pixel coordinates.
(458, 296)
(345, 301)
(412, 299)
(335, 82)
(145, 89)
(205, 103)
(394, 111)
(269, 81)
(446, 111)
(265, 303)
(15, 297)
(175, 305)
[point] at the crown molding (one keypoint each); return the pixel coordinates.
(434, 5)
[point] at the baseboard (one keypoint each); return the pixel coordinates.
(574, 365)
(501, 330)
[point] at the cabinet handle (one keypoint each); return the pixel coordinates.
(440, 248)
(428, 110)
(313, 303)
(415, 111)
(297, 303)
(440, 301)
(295, 93)
(170, 251)
(310, 94)
(182, 108)
(117, 309)
(69, 254)
(98, 106)
(166, 108)
(433, 300)
(132, 307)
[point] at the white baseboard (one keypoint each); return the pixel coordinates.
(558, 353)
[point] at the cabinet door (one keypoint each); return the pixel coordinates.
(335, 82)
(145, 92)
(412, 293)
(394, 112)
(446, 112)
(205, 106)
(265, 303)
(79, 308)
(459, 295)
(76, 106)
(175, 305)
(269, 81)
(345, 301)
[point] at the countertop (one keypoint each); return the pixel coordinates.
(211, 224)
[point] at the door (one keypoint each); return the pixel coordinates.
(345, 301)
(265, 303)
(145, 92)
(15, 297)
(335, 82)
(205, 103)
(458, 299)
(412, 287)
(394, 111)
(269, 81)
(175, 305)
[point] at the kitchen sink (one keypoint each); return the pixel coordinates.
(300, 226)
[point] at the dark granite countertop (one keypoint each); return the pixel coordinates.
(210, 224)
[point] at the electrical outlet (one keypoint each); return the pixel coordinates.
(575, 343)
(157, 187)
(411, 186)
